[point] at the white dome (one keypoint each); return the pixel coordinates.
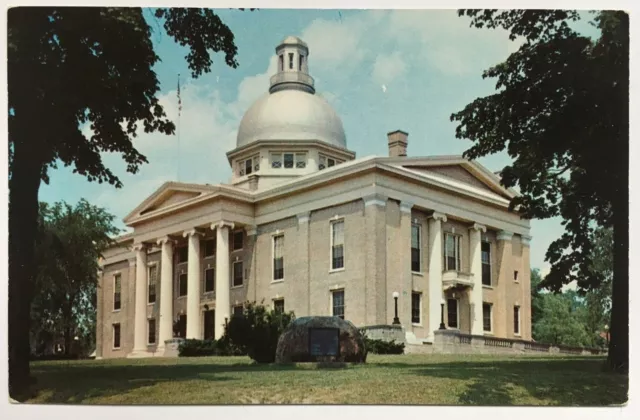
(291, 115)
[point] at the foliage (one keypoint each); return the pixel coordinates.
(195, 348)
(383, 347)
(568, 318)
(70, 242)
(257, 331)
(75, 67)
(560, 111)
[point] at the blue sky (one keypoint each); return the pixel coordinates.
(381, 70)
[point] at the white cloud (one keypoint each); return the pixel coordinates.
(388, 67)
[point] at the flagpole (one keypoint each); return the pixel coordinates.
(178, 128)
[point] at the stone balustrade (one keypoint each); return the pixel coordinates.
(454, 342)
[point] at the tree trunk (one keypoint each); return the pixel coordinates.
(618, 358)
(23, 218)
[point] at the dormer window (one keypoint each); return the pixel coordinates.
(291, 61)
(248, 166)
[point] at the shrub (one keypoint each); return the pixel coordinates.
(383, 347)
(197, 348)
(257, 331)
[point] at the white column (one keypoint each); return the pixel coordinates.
(223, 276)
(166, 292)
(140, 317)
(193, 284)
(435, 271)
(475, 257)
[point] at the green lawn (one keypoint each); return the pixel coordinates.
(403, 379)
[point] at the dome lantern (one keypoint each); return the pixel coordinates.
(293, 67)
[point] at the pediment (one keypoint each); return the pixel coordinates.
(468, 173)
(170, 194)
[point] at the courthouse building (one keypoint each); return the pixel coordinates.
(305, 226)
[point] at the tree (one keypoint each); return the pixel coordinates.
(68, 67)
(560, 322)
(64, 301)
(560, 111)
(536, 296)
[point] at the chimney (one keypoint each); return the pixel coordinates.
(398, 143)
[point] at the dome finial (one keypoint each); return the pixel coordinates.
(293, 68)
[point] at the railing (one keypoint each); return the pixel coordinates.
(498, 342)
(291, 77)
(453, 339)
(570, 350)
(533, 346)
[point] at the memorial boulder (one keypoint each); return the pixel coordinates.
(321, 339)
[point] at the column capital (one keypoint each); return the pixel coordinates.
(405, 207)
(251, 230)
(375, 200)
(192, 232)
(132, 261)
(165, 240)
(140, 246)
(438, 216)
(526, 240)
(221, 224)
(504, 235)
(303, 217)
(477, 226)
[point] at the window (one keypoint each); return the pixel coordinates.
(153, 280)
(209, 324)
(276, 160)
(280, 62)
(209, 248)
(415, 248)
(116, 336)
(291, 61)
(327, 162)
(182, 284)
(278, 257)
(415, 307)
(183, 254)
(338, 303)
(238, 237)
(515, 275)
(238, 310)
(288, 160)
(209, 280)
(337, 245)
(486, 317)
(278, 306)
(301, 160)
(117, 287)
(248, 166)
(301, 61)
(151, 327)
(452, 252)
(237, 273)
(486, 263)
(452, 313)
(516, 320)
(181, 329)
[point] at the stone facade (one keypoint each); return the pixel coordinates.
(345, 230)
